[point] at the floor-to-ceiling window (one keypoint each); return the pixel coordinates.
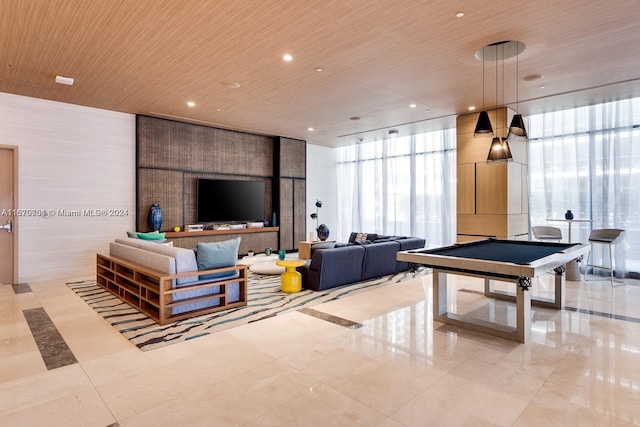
(588, 160)
(399, 186)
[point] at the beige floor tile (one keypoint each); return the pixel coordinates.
(231, 401)
(82, 409)
(320, 406)
(454, 401)
(399, 369)
(41, 388)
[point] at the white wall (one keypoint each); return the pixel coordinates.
(69, 158)
(322, 185)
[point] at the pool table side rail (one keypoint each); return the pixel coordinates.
(534, 269)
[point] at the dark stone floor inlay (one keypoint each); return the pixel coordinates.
(54, 350)
(331, 318)
(21, 288)
(601, 314)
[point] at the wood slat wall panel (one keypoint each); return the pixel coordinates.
(293, 155)
(166, 144)
(299, 211)
(165, 188)
(286, 214)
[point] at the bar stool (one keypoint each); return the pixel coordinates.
(604, 236)
(543, 232)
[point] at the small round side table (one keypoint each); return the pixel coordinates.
(291, 280)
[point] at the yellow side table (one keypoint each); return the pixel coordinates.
(291, 280)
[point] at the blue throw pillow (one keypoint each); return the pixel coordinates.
(217, 255)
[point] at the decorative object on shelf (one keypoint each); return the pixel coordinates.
(268, 251)
(322, 230)
(568, 214)
(282, 254)
(155, 217)
(274, 223)
(250, 252)
(177, 229)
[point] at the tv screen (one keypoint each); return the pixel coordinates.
(230, 201)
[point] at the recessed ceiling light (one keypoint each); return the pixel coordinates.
(472, 108)
(287, 57)
(64, 80)
(191, 104)
(412, 105)
(230, 85)
(218, 109)
(541, 86)
(459, 14)
(354, 118)
(319, 69)
(310, 129)
(532, 77)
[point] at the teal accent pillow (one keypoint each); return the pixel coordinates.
(216, 255)
(153, 235)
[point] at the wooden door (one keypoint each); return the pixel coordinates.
(8, 206)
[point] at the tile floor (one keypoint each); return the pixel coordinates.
(400, 368)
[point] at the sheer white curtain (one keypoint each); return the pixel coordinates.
(399, 186)
(588, 160)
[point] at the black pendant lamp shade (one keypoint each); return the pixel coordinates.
(483, 126)
(499, 151)
(517, 129)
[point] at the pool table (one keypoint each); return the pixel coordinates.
(514, 261)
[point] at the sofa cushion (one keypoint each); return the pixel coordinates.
(379, 259)
(185, 259)
(153, 235)
(152, 260)
(217, 255)
(334, 267)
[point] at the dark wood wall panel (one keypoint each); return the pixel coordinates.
(165, 188)
(299, 211)
(293, 158)
(287, 238)
(172, 155)
(166, 144)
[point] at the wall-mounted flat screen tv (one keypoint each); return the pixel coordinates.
(230, 201)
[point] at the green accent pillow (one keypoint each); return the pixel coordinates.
(216, 255)
(153, 235)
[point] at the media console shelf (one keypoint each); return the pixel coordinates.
(256, 239)
(174, 234)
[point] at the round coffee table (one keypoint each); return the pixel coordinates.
(291, 280)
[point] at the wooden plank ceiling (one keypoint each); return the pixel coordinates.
(377, 57)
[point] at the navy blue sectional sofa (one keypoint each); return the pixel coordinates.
(365, 256)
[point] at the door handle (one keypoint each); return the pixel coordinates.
(8, 226)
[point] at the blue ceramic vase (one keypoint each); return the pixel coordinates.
(155, 217)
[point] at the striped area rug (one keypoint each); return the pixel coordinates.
(264, 300)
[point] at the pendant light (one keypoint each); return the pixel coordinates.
(499, 151)
(517, 130)
(483, 126)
